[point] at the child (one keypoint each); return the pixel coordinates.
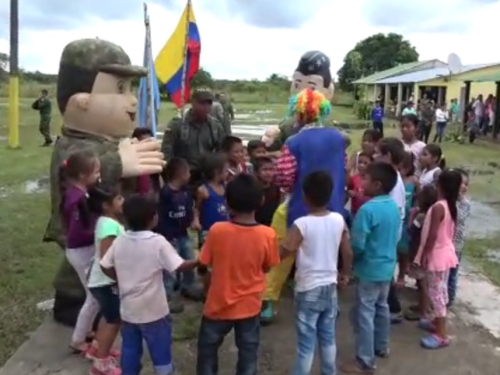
(368, 143)
(463, 212)
(375, 235)
(137, 259)
(210, 201)
(426, 197)
(431, 164)
(409, 128)
(256, 149)
(355, 186)
(239, 253)
(264, 171)
(107, 202)
(146, 183)
(441, 121)
(233, 147)
(78, 174)
(316, 273)
(391, 151)
(378, 118)
(175, 216)
(407, 170)
(437, 256)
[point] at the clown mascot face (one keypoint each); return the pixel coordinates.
(306, 146)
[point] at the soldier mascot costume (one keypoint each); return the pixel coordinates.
(320, 149)
(98, 110)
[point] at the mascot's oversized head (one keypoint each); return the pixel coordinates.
(94, 88)
(313, 72)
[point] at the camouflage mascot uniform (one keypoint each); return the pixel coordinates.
(312, 71)
(98, 109)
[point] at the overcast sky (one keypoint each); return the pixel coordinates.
(255, 38)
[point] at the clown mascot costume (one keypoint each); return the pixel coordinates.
(307, 146)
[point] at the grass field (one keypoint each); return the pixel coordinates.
(27, 265)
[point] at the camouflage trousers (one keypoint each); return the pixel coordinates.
(45, 129)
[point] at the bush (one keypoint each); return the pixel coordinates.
(362, 109)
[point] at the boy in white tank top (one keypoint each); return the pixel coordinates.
(317, 238)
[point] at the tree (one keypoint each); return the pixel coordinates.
(202, 78)
(376, 53)
(4, 64)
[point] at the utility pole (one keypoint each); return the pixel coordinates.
(14, 75)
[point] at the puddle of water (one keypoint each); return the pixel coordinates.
(483, 221)
(36, 186)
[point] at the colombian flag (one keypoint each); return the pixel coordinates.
(170, 61)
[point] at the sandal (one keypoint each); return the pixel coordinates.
(426, 325)
(434, 342)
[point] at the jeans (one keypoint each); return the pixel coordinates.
(371, 321)
(440, 127)
(211, 336)
(425, 131)
(453, 280)
(158, 338)
(185, 249)
(315, 315)
(379, 126)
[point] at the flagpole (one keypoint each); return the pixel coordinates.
(148, 62)
(184, 66)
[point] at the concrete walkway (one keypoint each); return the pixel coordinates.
(474, 350)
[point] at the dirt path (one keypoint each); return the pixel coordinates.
(474, 350)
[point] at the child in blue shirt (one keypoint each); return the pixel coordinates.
(378, 118)
(175, 216)
(210, 197)
(375, 235)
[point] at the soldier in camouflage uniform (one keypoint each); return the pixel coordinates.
(195, 136)
(44, 106)
(217, 112)
(228, 112)
(98, 109)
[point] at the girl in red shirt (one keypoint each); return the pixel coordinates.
(355, 186)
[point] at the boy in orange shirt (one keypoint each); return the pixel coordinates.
(239, 253)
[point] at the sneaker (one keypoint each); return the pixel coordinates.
(426, 325)
(396, 318)
(91, 353)
(382, 353)
(412, 315)
(267, 312)
(433, 342)
(105, 366)
(355, 368)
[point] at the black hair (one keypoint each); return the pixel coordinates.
(139, 211)
(213, 163)
(384, 173)
(72, 80)
(78, 163)
(449, 182)
(408, 162)
(463, 172)
(254, 144)
(317, 188)
(229, 141)
(411, 118)
(244, 194)
(45, 91)
(427, 197)
(173, 168)
(366, 155)
(100, 194)
(258, 163)
(435, 151)
(142, 132)
(372, 134)
(394, 147)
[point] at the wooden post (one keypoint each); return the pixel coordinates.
(387, 97)
(400, 100)
(496, 122)
(184, 65)
(465, 117)
(14, 75)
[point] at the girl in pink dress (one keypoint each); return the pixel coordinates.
(436, 255)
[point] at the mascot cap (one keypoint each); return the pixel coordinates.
(315, 63)
(83, 59)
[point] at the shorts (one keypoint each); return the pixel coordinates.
(109, 301)
(437, 291)
(158, 338)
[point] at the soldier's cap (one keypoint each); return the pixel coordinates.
(202, 94)
(100, 55)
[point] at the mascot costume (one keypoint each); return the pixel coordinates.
(306, 146)
(98, 110)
